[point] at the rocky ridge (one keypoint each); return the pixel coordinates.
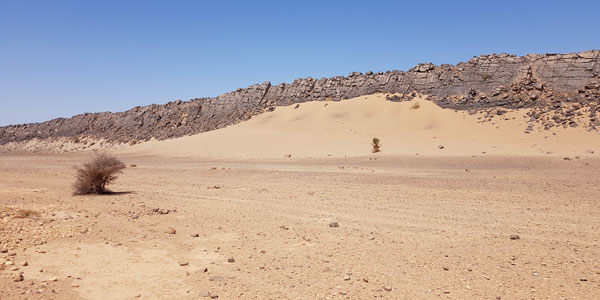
(557, 87)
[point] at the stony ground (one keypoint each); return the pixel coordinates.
(356, 228)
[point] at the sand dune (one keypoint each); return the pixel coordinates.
(321, 129)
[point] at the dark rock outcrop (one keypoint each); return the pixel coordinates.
(544, 82)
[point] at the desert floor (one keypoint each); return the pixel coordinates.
(410, 227)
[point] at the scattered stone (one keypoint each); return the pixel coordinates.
(441, 147)
(195, 235)
(446, 268)
(182, 263)
(214, 296)
(583, 279)
(231, 260)
(514, 237)
(204, 294)
(334, 224)
(216, 278)
(19, 278)
(346, 277)
(387, 288)
(172, 231)
(3, 250)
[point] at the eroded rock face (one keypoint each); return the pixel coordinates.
(539, 81)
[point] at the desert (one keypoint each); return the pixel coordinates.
(174, 150)
(268, 209)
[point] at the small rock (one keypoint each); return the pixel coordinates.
(53, 279)
(18, 278)
(514, 237)
(387, 288)
(135, 217)
(204, 294)
(231, 260)
(216, 278)
(3, 250)
(346, 277)
(195, 235)
(441, 147)
(334, 224)
(446, 268)
(183, 263)
(25, 264)
(9, 263)
(214, 296)
(583, 279)
(172, 231)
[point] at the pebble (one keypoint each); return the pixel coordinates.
(346, 277)
(25, 264)
(204, 294)
(3, 250)
(172, 231)
(19, 278)
(441, 147)
(514, 237)
(583, 279)
(195, 235)
(334, 224)
(183, 263)
(231, 260)
(387, 288)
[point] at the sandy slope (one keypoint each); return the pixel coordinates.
(320, 129)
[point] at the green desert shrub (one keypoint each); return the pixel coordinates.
(96, 174)
(376, 145)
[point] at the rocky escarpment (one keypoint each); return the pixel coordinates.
(557, 86)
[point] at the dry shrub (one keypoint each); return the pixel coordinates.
(97, 174)
(376, 145)
(415, 105)
(27, 213)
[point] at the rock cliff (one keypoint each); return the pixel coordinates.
(557, 86)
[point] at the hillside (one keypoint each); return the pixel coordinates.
(557, 89)
(346, 128)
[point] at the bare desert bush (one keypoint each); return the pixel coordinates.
(95, 175)
(376, 145)
(27, 213)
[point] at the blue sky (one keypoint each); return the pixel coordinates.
(61, 58)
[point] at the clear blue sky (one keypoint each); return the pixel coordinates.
(61, 58)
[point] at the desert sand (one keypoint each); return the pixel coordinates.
(345, 128)
(292, 204)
